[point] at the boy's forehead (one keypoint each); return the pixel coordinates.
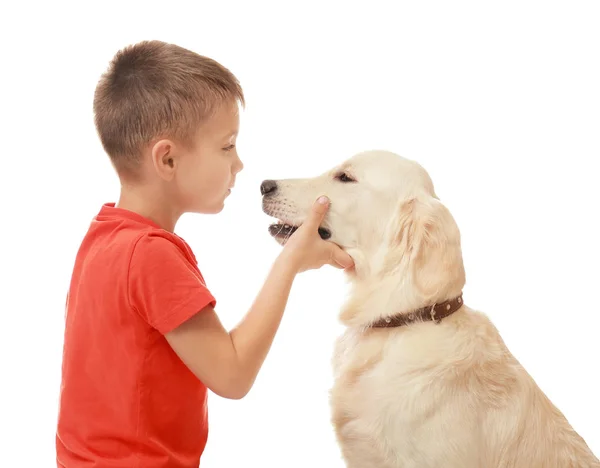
(224, 122)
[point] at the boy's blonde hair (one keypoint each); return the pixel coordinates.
(157, 90)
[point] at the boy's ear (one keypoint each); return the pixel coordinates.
(164, 158)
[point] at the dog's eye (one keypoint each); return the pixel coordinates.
(343, 177)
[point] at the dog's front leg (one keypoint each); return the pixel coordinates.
(360, 450)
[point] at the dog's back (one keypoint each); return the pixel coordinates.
(447, 394)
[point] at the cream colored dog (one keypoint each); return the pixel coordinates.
(428, 393)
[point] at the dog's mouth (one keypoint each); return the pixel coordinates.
(282, 231)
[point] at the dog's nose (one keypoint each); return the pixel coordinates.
(268, 186)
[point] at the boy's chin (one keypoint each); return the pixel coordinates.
(205, 207)
(213, 209)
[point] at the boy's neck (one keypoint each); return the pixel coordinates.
(148, 202)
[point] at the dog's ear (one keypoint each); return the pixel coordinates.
(428, 240)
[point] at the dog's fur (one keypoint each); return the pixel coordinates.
(425, 395)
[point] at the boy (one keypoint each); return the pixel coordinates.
(142, 340)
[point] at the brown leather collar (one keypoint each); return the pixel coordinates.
(434, 313)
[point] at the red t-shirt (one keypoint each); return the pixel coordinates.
(127, 400)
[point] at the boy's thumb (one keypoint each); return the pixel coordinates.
(318, 212)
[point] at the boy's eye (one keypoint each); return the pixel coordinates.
(229, 148)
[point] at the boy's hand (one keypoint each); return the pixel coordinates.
(228, 363)
(305, 248)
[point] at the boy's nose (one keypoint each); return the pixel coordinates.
(268, 186)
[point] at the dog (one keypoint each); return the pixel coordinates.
(420, 379)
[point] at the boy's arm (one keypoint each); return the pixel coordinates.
(228, 362)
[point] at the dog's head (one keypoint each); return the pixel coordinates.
(384, 212)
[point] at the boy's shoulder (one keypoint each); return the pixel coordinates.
(128, 258)
(123, 232)
(121, 245)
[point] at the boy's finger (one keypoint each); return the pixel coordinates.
(317, 213)
(341, 258)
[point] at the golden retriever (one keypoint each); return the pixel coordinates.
(410, 391)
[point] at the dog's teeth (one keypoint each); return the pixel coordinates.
(287, 226)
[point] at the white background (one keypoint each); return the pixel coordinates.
(500, 102)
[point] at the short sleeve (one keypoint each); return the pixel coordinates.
(165, 285)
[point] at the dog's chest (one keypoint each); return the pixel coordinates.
(392, 393)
